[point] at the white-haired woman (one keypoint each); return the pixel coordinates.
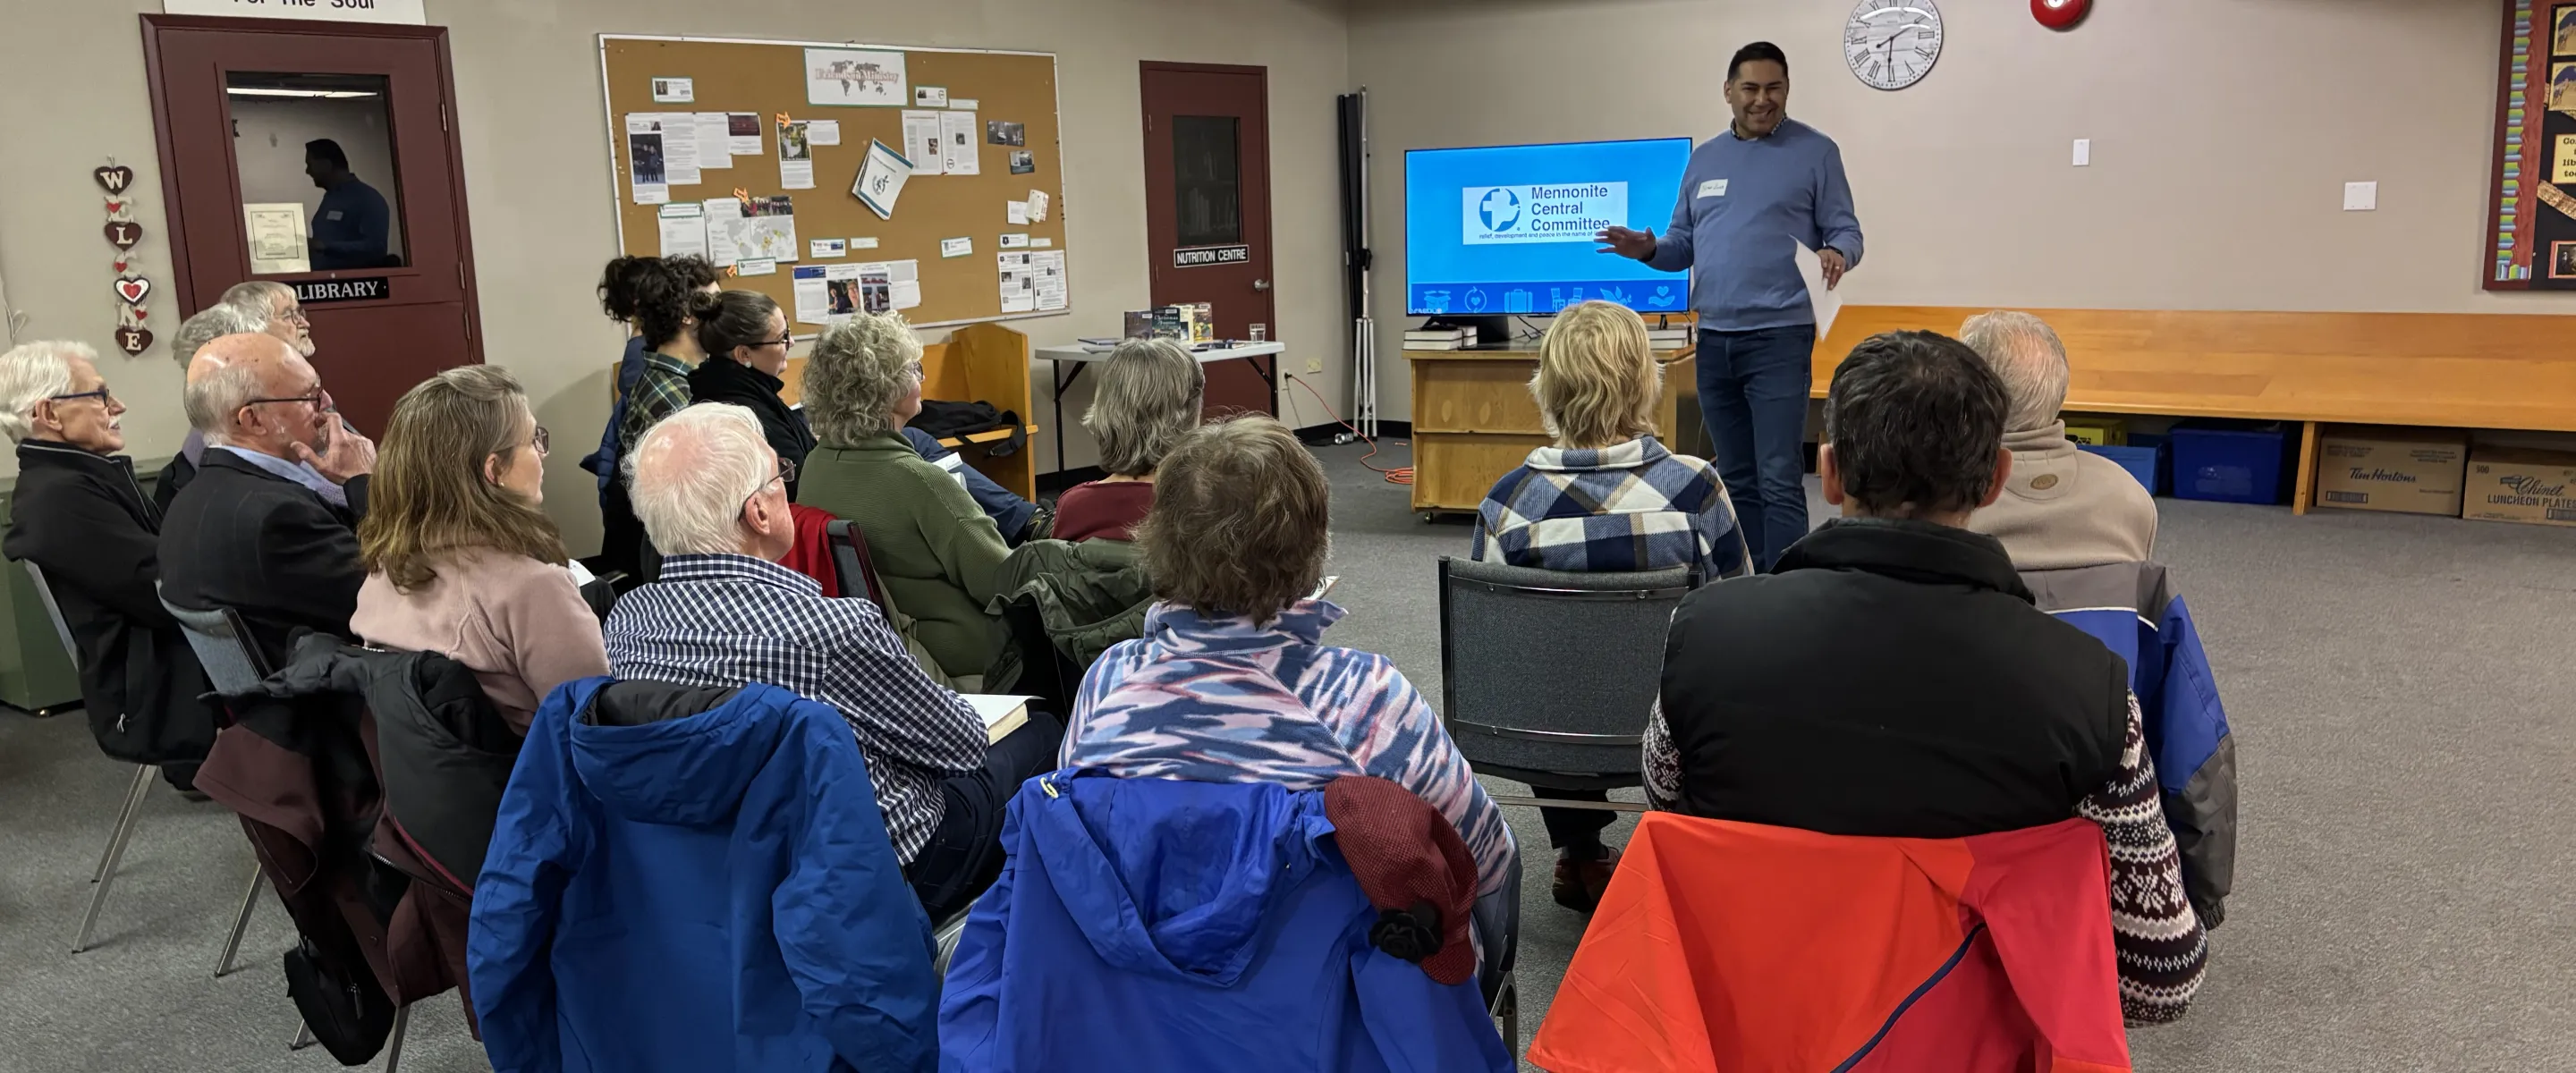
(1148, 397)
(935, 549)
(79, 514)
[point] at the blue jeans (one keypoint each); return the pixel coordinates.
(1753, 397)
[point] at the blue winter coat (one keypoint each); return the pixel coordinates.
(696, 880)
(2133, 609)
(1147, 925)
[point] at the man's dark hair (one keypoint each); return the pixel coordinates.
(329, 151)
(1915, 420)
(1759, 50)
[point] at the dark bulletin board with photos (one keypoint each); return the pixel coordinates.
(2532, 225)
(841, 178)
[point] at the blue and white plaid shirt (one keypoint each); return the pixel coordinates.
(730, 620)
(1631, 506)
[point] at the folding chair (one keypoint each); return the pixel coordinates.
(233, 665)
(104, 876)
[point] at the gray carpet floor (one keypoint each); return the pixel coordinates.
(2400, 687)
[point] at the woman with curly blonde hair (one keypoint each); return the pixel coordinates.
(936, 551)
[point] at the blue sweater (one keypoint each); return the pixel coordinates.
(1150, 925)
(1742, 205)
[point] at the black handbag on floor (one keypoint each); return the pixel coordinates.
(349, 1018)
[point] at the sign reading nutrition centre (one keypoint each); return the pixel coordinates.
(1517, 215)
(402, 11)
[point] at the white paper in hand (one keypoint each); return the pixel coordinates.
(1828, 302)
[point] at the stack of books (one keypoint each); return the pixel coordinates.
(1439, 339)
(1668, 338)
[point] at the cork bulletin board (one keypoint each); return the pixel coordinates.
(983, 246)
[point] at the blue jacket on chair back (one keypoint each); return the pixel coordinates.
(2134, 609)
(696, 879)
(1150, 924)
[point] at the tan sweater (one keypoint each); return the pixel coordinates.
(520, 625)
(2065, 508)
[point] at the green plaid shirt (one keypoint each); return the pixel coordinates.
(662, 391)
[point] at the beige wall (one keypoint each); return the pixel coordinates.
(2223, 132)
(537, 174)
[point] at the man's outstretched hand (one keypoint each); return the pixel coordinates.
(1633, 245)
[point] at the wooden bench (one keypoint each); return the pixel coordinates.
(2450, 370)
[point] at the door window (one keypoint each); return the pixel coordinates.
(1206, 183)
(318, 179)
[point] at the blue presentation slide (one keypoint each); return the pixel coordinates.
(1508, 229)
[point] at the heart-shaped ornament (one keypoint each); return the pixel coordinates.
(115, 178)
(115, 206)
(134, 340)
(123, 234)
(120, 266)
(132, 289)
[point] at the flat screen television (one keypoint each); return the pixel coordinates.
(1508, 229)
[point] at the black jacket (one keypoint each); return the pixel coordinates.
(84, 519)
(443, 752)
(240, 537)
(1889, 678)
(722, 379)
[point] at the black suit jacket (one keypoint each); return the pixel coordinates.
(84, 519)
(240, 537)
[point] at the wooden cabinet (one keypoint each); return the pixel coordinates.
(1474, 419)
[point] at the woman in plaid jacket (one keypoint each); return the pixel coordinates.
(1606, 496)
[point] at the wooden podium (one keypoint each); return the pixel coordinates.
(1474, 419)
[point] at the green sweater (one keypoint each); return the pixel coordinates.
(935, 549)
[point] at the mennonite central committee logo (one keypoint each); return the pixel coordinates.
(1539, 213)
(1500, 210)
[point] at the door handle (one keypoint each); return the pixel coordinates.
(1260, 284)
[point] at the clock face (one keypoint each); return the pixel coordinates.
(1892, 44)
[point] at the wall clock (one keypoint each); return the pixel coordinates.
(1892, 44)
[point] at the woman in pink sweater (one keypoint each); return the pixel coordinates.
(460, 560)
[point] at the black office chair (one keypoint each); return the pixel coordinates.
(1560, 724)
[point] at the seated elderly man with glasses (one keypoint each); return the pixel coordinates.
(269, 525)
(711, 494)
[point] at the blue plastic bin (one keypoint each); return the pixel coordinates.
(2229, 461)
(2144, 463)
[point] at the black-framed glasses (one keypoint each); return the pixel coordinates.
(789, 340)
(104, 397)
(786, 474)
(542, 441)
(319, 399)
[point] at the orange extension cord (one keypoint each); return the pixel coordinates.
(1398, 475)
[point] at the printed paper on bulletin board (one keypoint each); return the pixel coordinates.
(984, 121)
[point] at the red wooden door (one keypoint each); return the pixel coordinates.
(237, 103)
(1207, 208)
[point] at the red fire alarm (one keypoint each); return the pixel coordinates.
(2059, 14)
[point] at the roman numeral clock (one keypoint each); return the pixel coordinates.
(1892, 44)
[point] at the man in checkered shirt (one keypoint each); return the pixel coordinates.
(711, 495)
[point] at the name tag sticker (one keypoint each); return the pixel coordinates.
(1713, 188)
(335, 214)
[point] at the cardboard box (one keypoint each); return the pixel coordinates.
(2412, 471)
(2098, 431)
(2517, 485)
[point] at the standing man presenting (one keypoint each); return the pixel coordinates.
(1750, 197)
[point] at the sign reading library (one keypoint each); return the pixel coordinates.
(1571, 212)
